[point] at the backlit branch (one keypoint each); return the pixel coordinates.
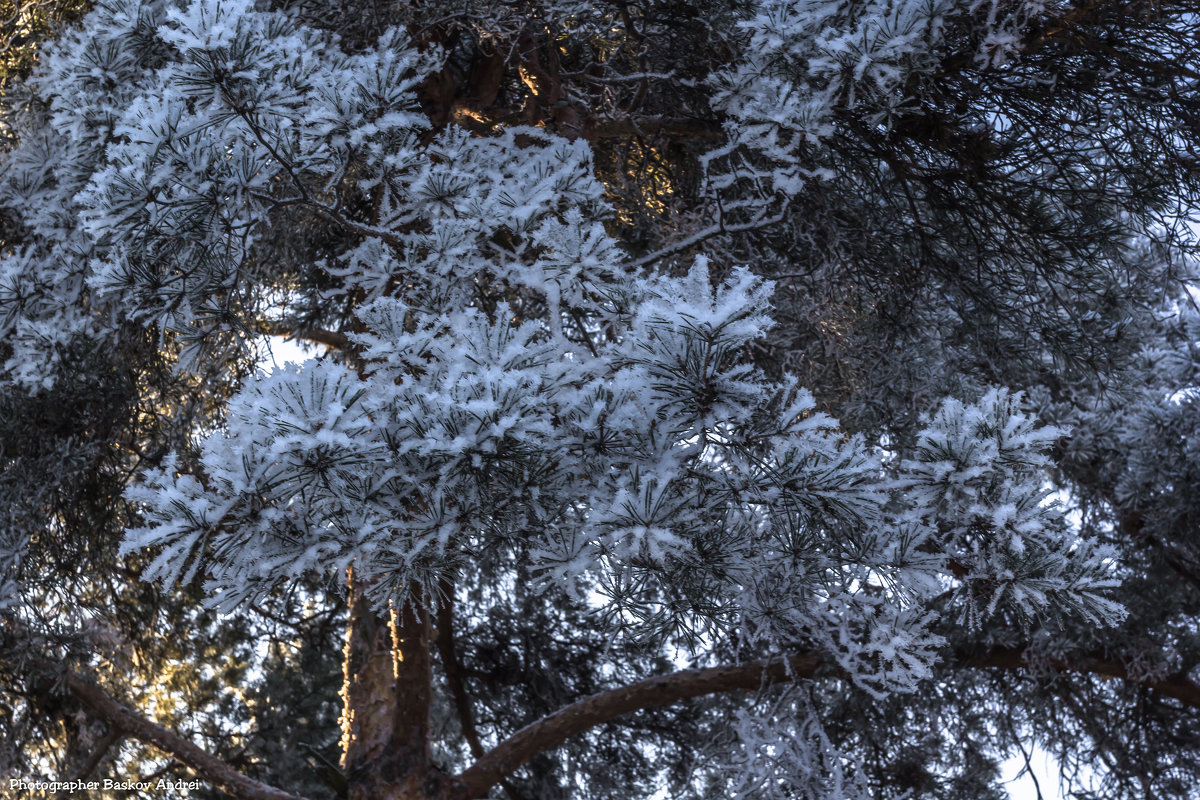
(331, 339)
(206, 766)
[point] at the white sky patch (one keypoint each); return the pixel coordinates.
(1188, 393)
(281, 351)
(1064, 498)
(1193, 289)
(1022, 785)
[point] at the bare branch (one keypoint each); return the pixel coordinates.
(204, 764)
(551, 731)
(113, 736)
(597, 128)
(333, 339)
(454, 678)
(1176, 686)
(450, 666)
(707, 233)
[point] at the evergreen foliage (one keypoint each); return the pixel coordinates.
(850, 360)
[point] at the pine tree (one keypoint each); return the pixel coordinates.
(812, 418)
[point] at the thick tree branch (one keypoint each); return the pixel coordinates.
(1176, 686)
(206, 766)
(551, 731)
(331, 339)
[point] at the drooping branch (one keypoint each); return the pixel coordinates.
(206, 766)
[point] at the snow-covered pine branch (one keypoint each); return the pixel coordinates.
(513, 390)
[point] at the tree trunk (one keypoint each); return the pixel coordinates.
(386, 697)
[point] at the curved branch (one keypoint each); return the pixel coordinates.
(551, 731)
(203, 763)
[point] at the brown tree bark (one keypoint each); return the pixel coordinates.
(551, 731)
(202, 763)
(386, 695)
